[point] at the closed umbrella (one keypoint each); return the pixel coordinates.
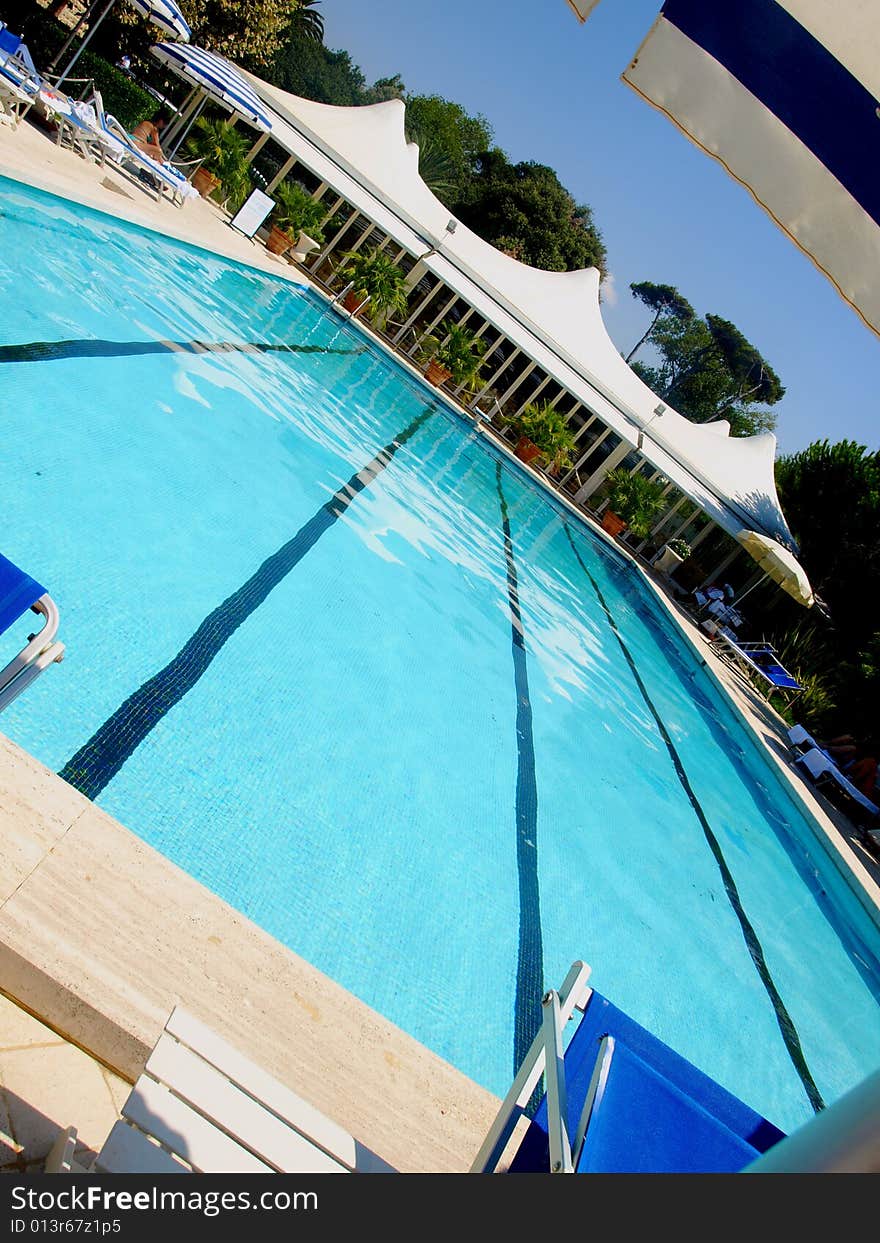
(779, 564)
(162, 13)
(216, 78)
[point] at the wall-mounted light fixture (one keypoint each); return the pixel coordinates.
(658, 410)
(447, 233)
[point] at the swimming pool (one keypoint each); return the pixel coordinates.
(332, 655)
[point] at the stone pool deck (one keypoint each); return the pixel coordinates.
(29, 154)
(100, 936)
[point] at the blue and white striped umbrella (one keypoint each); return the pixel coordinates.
(162, 13)
(786, 95)
(216, 76)
(166, 15)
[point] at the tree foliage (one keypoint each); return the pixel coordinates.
(662, 300)
(436, 166)
(307, 21)
(384, 89)
(831, 497)
(313, 71)
(249, 34)
(525, 205)
(450, 143)
(305, 67)
(708, 370)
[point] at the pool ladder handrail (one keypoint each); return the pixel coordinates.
(40, 651)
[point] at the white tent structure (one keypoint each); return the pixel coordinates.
(554, 318)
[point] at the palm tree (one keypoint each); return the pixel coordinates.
(436, 165)
(307, 22)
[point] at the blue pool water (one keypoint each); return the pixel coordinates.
(334, 657)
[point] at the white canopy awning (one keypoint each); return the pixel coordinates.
(553, 317)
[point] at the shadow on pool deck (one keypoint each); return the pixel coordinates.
(47, 1084)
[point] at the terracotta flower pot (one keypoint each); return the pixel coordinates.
(278, 241)
(352, 300)
(526, 450)
(206, 183)
(437, 373)
(612, 523)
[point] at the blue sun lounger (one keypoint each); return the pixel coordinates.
(759, 661)
(20, 593)
(619, 1101)
(19, 80)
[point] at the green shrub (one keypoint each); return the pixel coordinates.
(374, 273)
(223, 151)
(458, 350)
(297, 212)
(634, 498)
(123, 98)
(546, 428)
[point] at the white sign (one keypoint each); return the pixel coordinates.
(252, 213)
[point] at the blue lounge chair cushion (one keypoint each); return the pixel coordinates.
(643, 1124)
(781, 677)
(602, 1018)
(9, 43)
(16, 62)
(18, 591)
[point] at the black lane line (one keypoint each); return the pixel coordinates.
(51, 351)
(530, 951)
(98, 761)
(783, 1018)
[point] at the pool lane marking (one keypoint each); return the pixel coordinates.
(100, 759)
(530, 950)
(52, 351)
(783, 1018)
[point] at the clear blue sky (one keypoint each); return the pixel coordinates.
(551, 91)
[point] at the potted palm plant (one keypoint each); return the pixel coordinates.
(633, 502)
(377, 284)
(542, 432)
(296, 219)
(456, 354)
(223, 152)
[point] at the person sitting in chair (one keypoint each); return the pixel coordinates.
(146, 137)
(862, 771)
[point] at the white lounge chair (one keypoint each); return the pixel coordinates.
(201, 1106)
(14, 101)
(800, 739)
(154, 178)
(823, 770)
